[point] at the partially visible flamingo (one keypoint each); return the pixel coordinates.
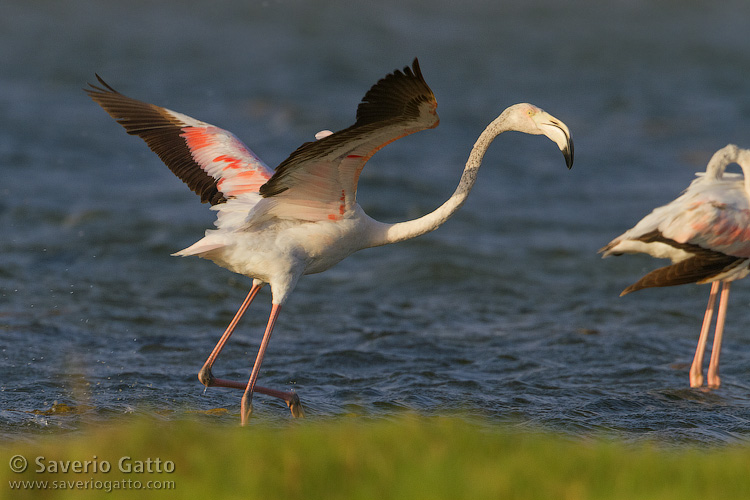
(706, 234)
(302, 218)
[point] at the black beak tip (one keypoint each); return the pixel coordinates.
(568, 154)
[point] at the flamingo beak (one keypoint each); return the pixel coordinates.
(558, 132)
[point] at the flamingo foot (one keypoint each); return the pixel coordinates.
(295, 406)
(290, 398)
(246, 408)
(206, 377)
(714, 381)
(696, 378)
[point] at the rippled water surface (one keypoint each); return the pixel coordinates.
(506, 312)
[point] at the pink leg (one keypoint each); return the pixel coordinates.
(247, 397)
(205, 375)
(207, 378)
(713, 368)
(696, 369)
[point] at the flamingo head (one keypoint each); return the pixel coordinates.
(533, 120)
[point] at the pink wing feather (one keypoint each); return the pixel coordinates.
(210, 160)
(713, 214)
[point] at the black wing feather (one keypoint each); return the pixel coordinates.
(162, 135)
(703, 265)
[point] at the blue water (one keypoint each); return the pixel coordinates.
(506, 312)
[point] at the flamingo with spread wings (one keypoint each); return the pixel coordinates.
(706, 234)
(302, 218)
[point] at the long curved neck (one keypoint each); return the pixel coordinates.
(393, 233)
(743, 161)
(725, 157)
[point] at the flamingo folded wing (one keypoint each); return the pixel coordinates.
(715, 219)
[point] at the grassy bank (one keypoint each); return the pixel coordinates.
(349, 459)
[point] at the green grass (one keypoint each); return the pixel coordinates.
(352, 458)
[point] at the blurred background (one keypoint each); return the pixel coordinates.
(506, 312)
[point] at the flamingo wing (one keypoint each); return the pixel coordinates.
(714, 216)
(701, 266)
(211, 161)
(705, 231)
(711, 214)
(318, 181)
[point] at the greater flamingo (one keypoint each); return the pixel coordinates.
(706, 234)
(302, 218)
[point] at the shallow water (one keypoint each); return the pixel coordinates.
(506, 312)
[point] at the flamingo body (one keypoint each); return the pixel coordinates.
(705, 232)
(303, 217)
(278, 252)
